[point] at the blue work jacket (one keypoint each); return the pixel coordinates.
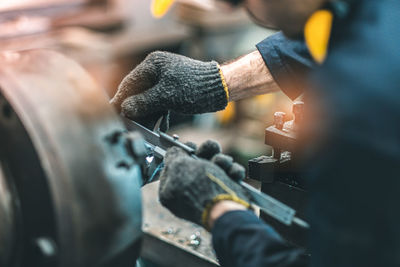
(351, 147)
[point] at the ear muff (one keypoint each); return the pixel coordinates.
(160, 7)
(317, 32)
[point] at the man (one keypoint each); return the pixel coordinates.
(350, 143)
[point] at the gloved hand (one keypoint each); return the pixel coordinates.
(166, 81)
(190, 187)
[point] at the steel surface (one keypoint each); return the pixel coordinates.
(8, 224)
(273, 207)
(75, 197)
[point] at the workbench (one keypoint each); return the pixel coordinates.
(171, 241)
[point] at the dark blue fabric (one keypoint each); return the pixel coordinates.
(351, 144)
(354, 168)
(288, 62)
(241, 239)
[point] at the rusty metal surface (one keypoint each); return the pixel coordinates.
(75, 198)
(171, 241)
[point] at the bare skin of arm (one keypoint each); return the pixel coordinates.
(222, 207)
(248, 76)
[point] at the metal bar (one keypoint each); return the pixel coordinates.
(157, 139)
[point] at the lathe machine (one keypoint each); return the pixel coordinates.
(71, 173)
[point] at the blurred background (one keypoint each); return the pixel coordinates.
(110, 37)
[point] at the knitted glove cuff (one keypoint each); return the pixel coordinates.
(224, 84)
(209, 88)
(207, 210)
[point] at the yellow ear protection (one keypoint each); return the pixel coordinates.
(317, 31)
(160, 7)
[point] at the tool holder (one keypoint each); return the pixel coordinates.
(279, 174)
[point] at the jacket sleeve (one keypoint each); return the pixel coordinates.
(241, 239)
(288, 61)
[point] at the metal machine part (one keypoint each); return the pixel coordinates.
(8, 220)
(159, 142)
(279, 174)
(69, 193)
(170, 241)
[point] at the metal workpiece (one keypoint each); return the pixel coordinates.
(74, 201)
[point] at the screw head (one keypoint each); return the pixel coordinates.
(279, 119)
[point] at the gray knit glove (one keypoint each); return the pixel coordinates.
(190, 187)
(166, 81)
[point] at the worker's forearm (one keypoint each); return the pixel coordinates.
(248, 76)
(221, 208)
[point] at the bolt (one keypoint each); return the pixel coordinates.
(176, 137)
(279, 119)
(298, 108)
(195, 240)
